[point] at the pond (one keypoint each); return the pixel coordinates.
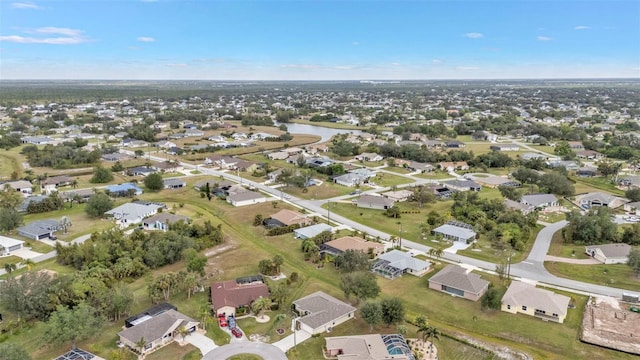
(324, 132)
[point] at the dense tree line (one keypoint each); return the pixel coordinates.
(596, 227)
(554, 182)
(60, 156)
(50, 203)
(131, 256)
(417, 153)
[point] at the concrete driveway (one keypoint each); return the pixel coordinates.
(265, 351)
(289, 341)
(25, 253)
(201, 342)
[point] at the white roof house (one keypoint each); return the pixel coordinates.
(133, 213)
(320, 312)
(539, 200)
(525, 298)
(456, 231)
(308, 232)
(395, 263)
(7, 245)
(609, 253)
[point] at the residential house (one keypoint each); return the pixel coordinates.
(539, 201)
(493, 182)
(37, 140)
(228, 296)
(52, 184)
(22, 186)
(39, 229)
(163, 221)
(420, 167)
(278, 155)
(576, 145)
(374, 202)
(29, 200)
(173, 183)
(246, 198)
(350, 179)
(590, 155)
(458, 281)
(132, 143)
(113, 157)
(567, 164)
(452, 166)
(133, 213)
(168, 166)
(311, 231)
(214, 183)
(193, 133)
(518, 206)
(433, 144)
(368, 347)
(484, 136)
(9, 245)
(340, 245)
(395, 263)
(462, 185)
(525, 298)
(600, 199)
(533, 156)
(505, 147)
(125, 189)
(587, 171)
(609, 253)
(140, 171)
(369, 157)
(455, 144)
(398, 196)
(289, 217)
(321, 312)
(632, 207)
(456, 231)
(157, 331)
(80, 195)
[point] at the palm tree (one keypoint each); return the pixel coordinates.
(9, 268)
(277, 262)
(433, 333)
(29, 264)
(260, 305)
(183, 332)
(205, 315)
(65, 223)
(140, 344)
(423, 330)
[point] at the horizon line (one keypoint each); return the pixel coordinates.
(334, 80)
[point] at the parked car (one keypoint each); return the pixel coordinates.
(222, 320)
(236, 332)
(231, 322)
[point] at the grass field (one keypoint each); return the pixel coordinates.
(487, 253)
(397, 169)
(8, 165)
(434, 175)
(386, 179)
(560, 248)
(324, 191)
(598, 183)
(618, 275)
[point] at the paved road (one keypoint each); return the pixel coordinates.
(531, 269)
(266, 351)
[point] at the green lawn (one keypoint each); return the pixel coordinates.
(246, 357)
(174, 351)
(11, 259)
(434, 175)
(552, 217)
(326, 190)
(38, 246)
(487, 253)
(618, 276)
(8, 165)
(397, 169)
(598, 183)
(560, 248)
(386, 179)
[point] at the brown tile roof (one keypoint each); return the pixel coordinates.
(289, 217)
(230, 293)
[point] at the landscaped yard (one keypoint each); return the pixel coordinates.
(618, 275)
(560, 248)
(9, 164)
(487, 253)
(597, 184)
(386, 179)
(326, 190)
(398, 169)
(434, 175)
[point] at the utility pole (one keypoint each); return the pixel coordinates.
(328, 212)
(400, 234)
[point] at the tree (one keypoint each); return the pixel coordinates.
(277, 262)
(98, 204)
(501, 270)
(9, 219)
(491, 298)
(183, 332)
(280, 293)
(195, 262)
(323, 237)
(422, 195)
(363, 285)
(634, 259)
(260, 305)
(154, 182)
(257, 220)
(632, 194)
(594, 227)
(74, 324)
(10, 267)
(28, 295)
(392, 310)
(393, 212)
(29, 264)
(142, 343)
(352, 260)
(371, 313)
(101, 175)
(13, 352)
(10, 198)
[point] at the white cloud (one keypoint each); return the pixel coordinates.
(344, 67)
(177, 65)
(70, 36)
(474, 35)
(146, 39)
(543, 38)
(582, 27)
(25, 5)
(437, 61)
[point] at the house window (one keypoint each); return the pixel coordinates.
(555, 315)
(148, 346)
(524, 308)
(508, 307)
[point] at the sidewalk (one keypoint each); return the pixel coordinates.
(572, 261)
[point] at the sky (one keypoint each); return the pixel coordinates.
(318, 40)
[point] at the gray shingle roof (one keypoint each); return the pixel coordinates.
(155, 327)
(537, 200)
(457, 277)
(401, 260)
(322, 309)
